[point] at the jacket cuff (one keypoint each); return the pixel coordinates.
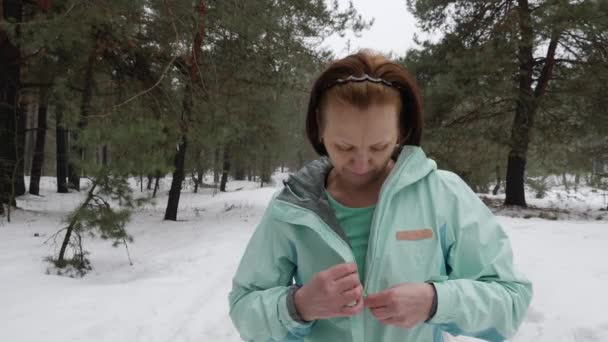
(445, 304)
(434, 305)
(288, 314)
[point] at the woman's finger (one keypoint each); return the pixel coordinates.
(347, 283)
(382, 313)
(352, 295)
(352, 310)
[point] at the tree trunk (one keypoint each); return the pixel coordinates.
(149, 185)
(10, 59)
(104, 156)
(179, 161)
(216, 162)
(225, 170)
(265, 170)
(70, 228)
(524, 111)
(196, 180)
(193, 74)
(201, 176)
(78, 151)
(62, 152)
(515, 194)
(73, 157)
(198, 174)
(19, 181)
(156, 182)
(497, 186)
(176, 183)
(239, 171)
(527, 101)
(38, 159)
(516, 165)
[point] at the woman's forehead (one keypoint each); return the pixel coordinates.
(361, 132)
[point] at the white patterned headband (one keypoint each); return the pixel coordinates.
(364, 78)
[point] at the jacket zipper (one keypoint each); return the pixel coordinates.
(373, 228)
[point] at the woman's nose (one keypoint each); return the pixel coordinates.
(361, 163)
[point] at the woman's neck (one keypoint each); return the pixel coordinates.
(356, 196)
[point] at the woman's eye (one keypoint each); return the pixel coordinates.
(380, 148)
(344, 148)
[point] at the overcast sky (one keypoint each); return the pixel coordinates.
(393, 29)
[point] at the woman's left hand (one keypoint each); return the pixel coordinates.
(405, 305)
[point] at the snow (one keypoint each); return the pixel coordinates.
(177, 288)
(584, 203)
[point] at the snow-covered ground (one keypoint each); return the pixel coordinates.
(177, 288)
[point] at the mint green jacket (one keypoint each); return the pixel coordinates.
(466, 255)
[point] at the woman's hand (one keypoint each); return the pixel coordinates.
(405, 305)
(334, 292)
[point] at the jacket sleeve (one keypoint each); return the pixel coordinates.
(484, 296)
(260, 305)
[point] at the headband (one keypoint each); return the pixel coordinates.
(363, 78)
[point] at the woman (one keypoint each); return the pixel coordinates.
(372, 242)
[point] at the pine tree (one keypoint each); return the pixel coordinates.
(10, 109)
(514, 46)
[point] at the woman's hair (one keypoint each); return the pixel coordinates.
(374, 80)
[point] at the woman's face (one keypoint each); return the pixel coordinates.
(360, 142)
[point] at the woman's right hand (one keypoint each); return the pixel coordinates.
(331, 293)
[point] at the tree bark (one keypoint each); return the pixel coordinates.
(149, 185)
(19, 180)
(62, 152)
(527, 102)
(176, 183)
(524, 112)
(225, 169)
(190, 69)
(10, 71)
(77, 155)
(70, 228)
(38, 159)
(239, 172)
(497, 186)
(195, 178)
(104, 156)
(156, 183)
(216, 162)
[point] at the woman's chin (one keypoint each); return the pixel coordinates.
(360, 179)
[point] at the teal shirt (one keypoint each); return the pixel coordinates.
(356, 223)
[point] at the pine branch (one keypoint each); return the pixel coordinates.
(477, 114)
(547, 70)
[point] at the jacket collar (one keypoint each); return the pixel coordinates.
(306, 188)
